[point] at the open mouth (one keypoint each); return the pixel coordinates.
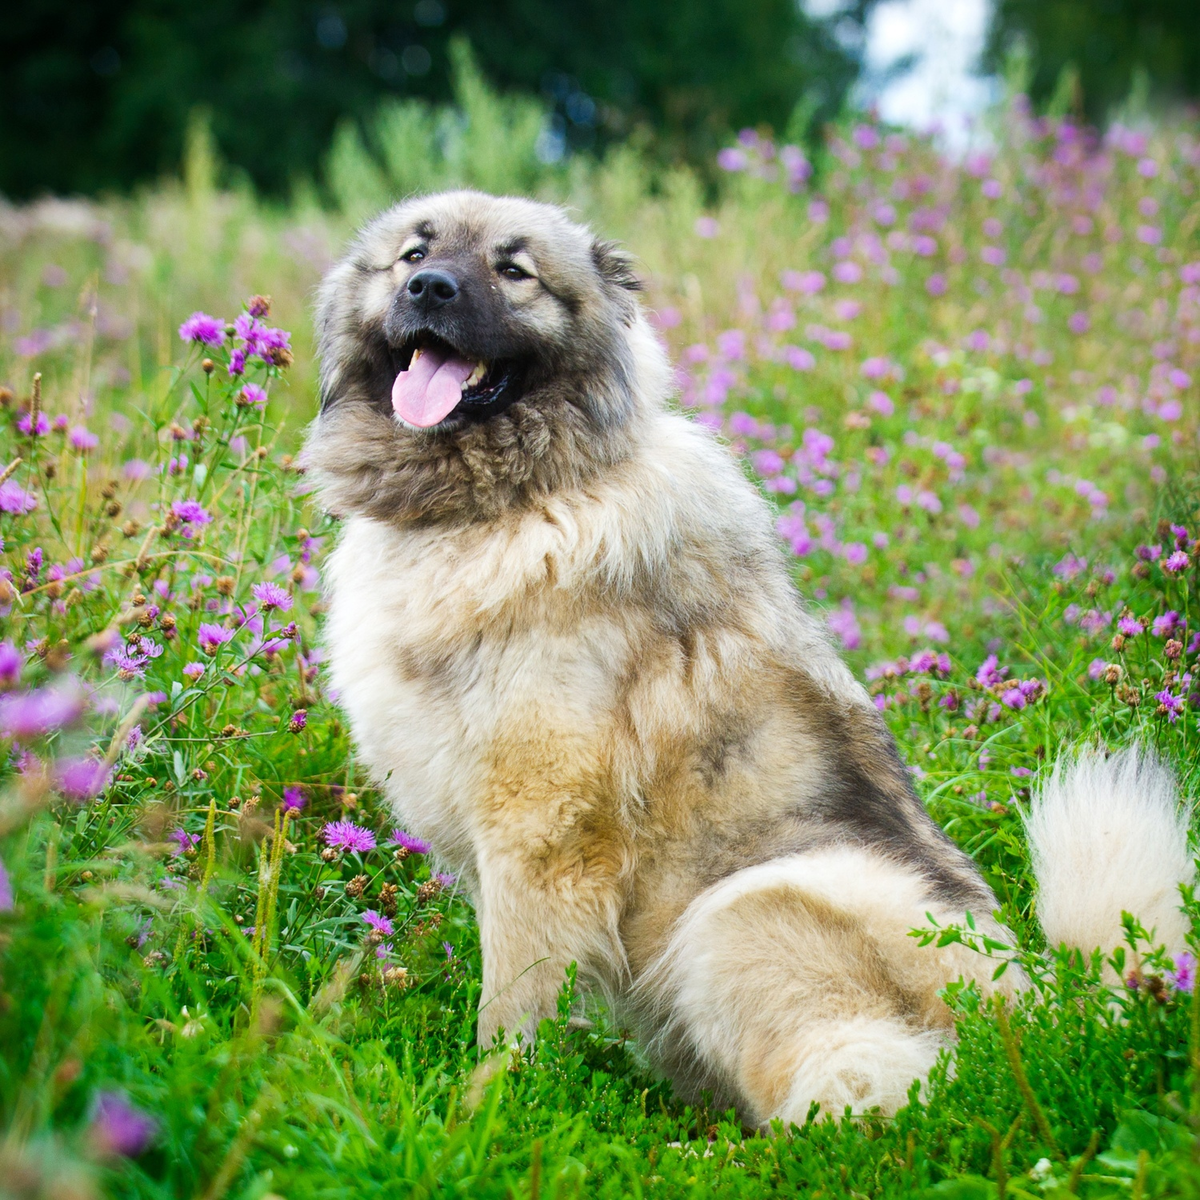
(434, 381)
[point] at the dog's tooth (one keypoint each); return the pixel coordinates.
(475, 376)
(412, 362)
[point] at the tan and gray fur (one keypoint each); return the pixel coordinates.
(574, 660)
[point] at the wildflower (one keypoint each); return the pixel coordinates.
(989, 674)
(10, 664)
(30, 427)
(193, 670)
(1096, 668)
(1173, 649)
(444, 880)
(408, 843)
(31, 714)
(1079, 322)
(1183, 977)
(1167, 623)
(1013, 698)
(237, 363)
(378, 923)
(191, 512)
(200, 327)
(81, 779)
(82, 439)
(270, 596)
(250, 396)
(211, 637)
(184, 842)
(298, 721)
(33, 568)
(118, 1129)
(1169, 706)
(6, 891)
(259, 306)
(294, 799)
(345, 835)
(1176, 562)
(15, 499)
(1129, 626)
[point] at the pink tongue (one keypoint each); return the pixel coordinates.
(430, 388)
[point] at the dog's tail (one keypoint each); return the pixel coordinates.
(1108, 834)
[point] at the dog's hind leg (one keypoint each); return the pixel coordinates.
(795, 983)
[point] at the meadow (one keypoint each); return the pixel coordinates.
(971, 388)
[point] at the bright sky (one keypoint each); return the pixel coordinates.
(945, 39)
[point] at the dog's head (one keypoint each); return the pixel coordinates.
(475, 352)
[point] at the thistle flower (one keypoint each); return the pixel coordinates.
(6, 891)
(193, 670)
(1169, 706)
(10, 664)
(184, 842)
(1176, 562)
(989, 674)
(271, 596)
(294, 799)
(345, 835)
(1183, 977)
(1129, 626)
(15, 499)
(191, 512)
(211, 637)
(298, 721)
(81, 439)
(118, 1129)
(409, 843)
(81, 779)
(31, 714)
(201, 328)
(251, 396)
(33, 428)
(378, 923)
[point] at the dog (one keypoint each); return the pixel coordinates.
(574, 660)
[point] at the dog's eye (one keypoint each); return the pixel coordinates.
(413, 256)
(512, 271)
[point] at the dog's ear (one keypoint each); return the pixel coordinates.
(615, 265)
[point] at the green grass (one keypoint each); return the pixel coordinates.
(952, 515)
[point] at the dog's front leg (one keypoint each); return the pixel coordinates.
(542, 907)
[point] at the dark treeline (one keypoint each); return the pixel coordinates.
(97, 96)
(1113, 47)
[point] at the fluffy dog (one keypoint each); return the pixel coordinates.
(574, 660)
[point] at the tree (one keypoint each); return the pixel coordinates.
(1109, 42)
(98, 96)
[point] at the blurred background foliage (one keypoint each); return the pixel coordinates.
(388, 95)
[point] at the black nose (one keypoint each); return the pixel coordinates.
(431, 289)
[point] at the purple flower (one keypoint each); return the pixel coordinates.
(1176, 562)
(1130, 626)
(15, 499)
(211, 637)
(82, 439)
(1096, 668)
(117, 1129)
(183, 840)
(345, 835)
(294, 799)
(299, 719)
(191, 512)
(30, 714)
(989, 673)
(237, 363)
(1171, 705)
(252, 395)
(10, 664)
(1166, 624)
(27, 425)
(1183, 977)
(6, 890)
(81, 779)
(1013, 698)
(271, 595)
(200, 327)
(378, 922)
(406, 841)
(193, 670)
(445, 880)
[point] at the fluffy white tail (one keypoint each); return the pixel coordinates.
(1108, 834)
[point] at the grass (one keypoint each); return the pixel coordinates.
(969, 389)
